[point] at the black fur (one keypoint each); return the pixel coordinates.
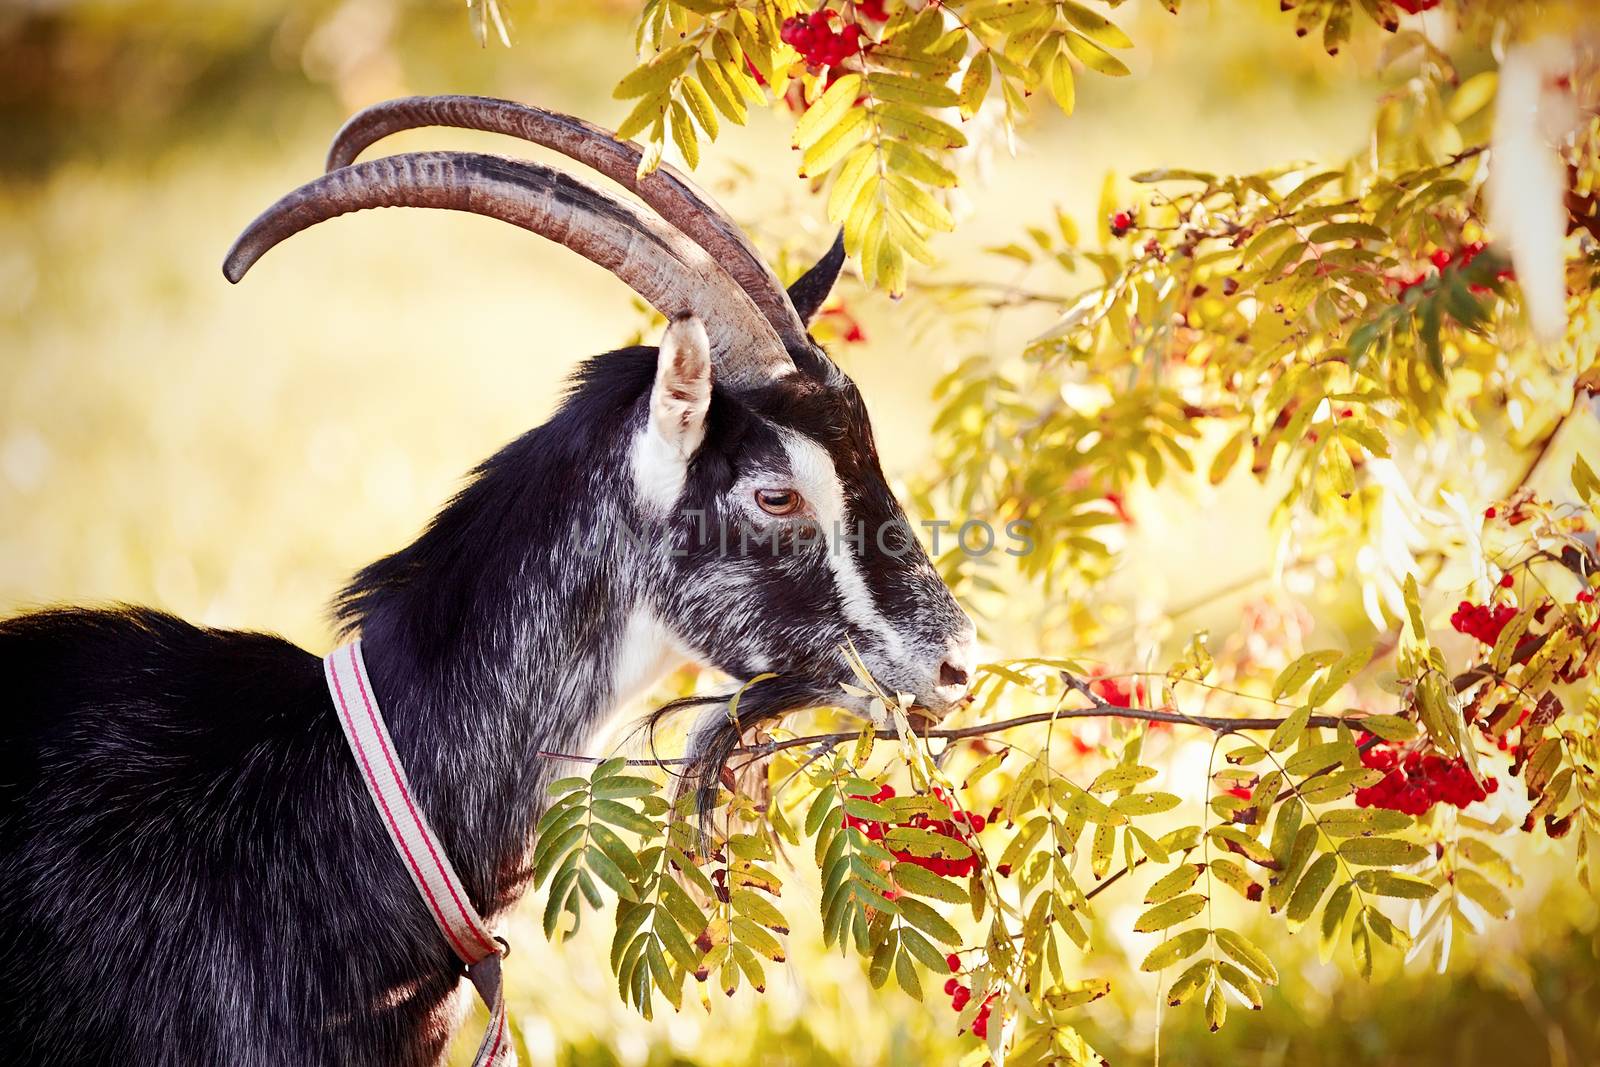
(812, 288)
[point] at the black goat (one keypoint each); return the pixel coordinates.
(191, 871)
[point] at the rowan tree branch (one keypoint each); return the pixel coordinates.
(1099, 709)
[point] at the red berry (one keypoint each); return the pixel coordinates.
(954, 963)
(950, 986)
(1585, 597)
(1507, 581)
(1489, 513)
(1121, 223)
(959, 998)
(1440, 259)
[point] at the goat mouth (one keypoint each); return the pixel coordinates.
(935, 716)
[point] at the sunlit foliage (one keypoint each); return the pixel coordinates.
(1328, 331)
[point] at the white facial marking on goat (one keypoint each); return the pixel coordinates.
(676, 422)
(817, 480)
(646, 650)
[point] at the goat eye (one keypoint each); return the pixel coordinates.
(778, 501)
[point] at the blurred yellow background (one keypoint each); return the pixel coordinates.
(231, 454)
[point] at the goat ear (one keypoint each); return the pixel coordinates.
(813, 287)
(682, 392)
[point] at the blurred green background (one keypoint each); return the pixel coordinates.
(232, 454)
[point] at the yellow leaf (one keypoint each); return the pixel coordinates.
(646, 113)
(975, 84)
(898, 88)
(723, 93)
(1094, 57)
(699, 104)
(653, 76)
(1102, 29)
(834, 145)
(829, 109)
(1062, 89)
(1228, 454)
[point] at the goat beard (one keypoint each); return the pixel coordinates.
(721, 728)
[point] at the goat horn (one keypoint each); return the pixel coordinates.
(673, 196)
(657, 262)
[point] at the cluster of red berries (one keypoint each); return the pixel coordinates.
(961, 995)
(815, 38)
(1442, 258)
(1483, 621)
(876, 829)
(1130, 694)
(1414, 782)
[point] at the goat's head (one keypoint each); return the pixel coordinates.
(753, 453)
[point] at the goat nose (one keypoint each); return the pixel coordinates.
(950, 674)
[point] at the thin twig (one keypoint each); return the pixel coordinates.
(1100, 710)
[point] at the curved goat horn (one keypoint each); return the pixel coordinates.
(669, 192)
(657, 262)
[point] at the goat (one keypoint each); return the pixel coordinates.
(191, 871)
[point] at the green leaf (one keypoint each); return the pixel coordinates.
(1381, 852)
(1389, 727)
(1362, 822)
(905, 972)
(1309, 892)
(1389, 884)
(1316, 757)
(1246, 986)
(1122, 776)
(924, 883)
(1135, 804)
(1347, 231)
(1298, 673)
(609, 873)
(623, 785)
(1175, 881)
(1340, 673)
(1481, 891)
(1288, 732)
(927, 920)
(1190, 982)
(1170, 913)
(926, 843)
(1216, 1007)
(923, 949)
(619, 814)
(749, 903)
(1175, 948)
(1242, 949)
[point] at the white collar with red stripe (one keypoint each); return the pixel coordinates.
(408, 828)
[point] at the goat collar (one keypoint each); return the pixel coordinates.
(408, 828)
